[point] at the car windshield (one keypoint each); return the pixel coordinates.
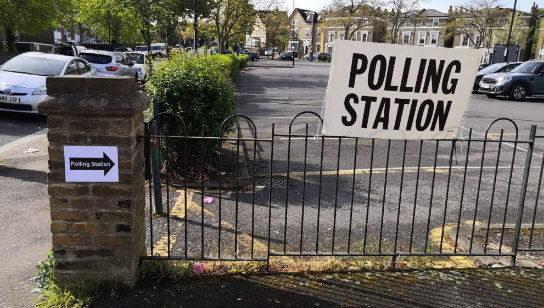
(34, 66)
(528, 68)
(492, 68)
(141, 48)
(96, 58)
(156, 47)
(137, 58)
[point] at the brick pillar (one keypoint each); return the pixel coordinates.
(98, 228)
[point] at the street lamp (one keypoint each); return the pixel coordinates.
(510, 31)
(293, 38)
(195, 25)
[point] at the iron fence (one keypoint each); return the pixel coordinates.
(236, 197)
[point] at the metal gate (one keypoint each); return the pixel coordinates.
(251, 195)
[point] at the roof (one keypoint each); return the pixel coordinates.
(308, 15)
(427, 13)
(43, 55)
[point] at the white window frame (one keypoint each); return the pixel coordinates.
(332, 36)
(257, 32)
(365, 22)
(342, 35)
(463, 37)
(501, 22)
(318, 31)
(436, 22)
(419, 34)
(354, 36)
(364, 36)
(307, 33)
(431, 38)
(318, 47)
(407, 23)
(404, 34)
(424, 23)
(295, 21)
(477, 38)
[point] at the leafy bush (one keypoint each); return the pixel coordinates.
(244, 59)
(198, 89)
(230, 62)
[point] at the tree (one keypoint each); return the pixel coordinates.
(477, 19)
(402, 11)
(351, 15)
(32, 16)
(109, 21)
(277, 27)
(232, 18)
(520, 31)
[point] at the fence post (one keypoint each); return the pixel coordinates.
(523, 192)
(98, 231)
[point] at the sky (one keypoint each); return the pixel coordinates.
(441, 5)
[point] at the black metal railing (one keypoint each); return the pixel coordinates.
(247, 197)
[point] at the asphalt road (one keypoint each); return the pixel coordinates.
(350, 207)
(14, 126)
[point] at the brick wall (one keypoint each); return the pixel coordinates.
(97, 229)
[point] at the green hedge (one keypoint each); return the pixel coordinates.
(199, 89)
(244, 59)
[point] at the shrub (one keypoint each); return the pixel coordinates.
(244, 59)
(198, 89)
(229, 63)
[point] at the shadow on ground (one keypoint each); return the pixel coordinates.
(505, 287)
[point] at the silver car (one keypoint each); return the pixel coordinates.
(108, 63)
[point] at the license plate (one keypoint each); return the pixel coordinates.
(485, 86)
(13, 100)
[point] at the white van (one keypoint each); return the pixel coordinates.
(158, 49)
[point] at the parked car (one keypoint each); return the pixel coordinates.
(123, 49)
(139, 62)
(254, 56)
(157, 49)
(67, 50)
(323, 56)
(286, 56)
(494, 68)
(109, 63)
(22, 79)
(525, 80)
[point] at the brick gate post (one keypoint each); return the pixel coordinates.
(97, 227)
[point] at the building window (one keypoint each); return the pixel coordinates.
(435, 22)
(354, 36)
(319, 32)
(502, 22)
(257, 32)
(406, 38)
(477, 41)
(434, 38)
(421, 38)
(365, 22)
(408, 23)
(307, 33)
(341, 36)
(364, 36)
(318, 47)
(424, 22)
(331, 37)
(464, 40)
(296, 21)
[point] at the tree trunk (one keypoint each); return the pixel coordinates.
(10, 39)
(273, 44)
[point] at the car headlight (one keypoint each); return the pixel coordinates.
(40, 91)
(504, 79)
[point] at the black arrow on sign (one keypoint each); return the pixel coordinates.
(95, 163)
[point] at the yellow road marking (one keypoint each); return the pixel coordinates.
(456, 261)
(178, 211)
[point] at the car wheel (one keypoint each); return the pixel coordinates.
(490, 95)
(518, 92)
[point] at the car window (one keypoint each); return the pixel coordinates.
(96, 58)
(527, 68)
(492, 68)
(137, 58)
(119, 58)
(34, 66)
(509, 68)
(71, 69)
(83, 67)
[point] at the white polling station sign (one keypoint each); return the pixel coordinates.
(398, 92)
(91, 164)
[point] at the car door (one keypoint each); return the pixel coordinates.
(121, 63)
(538, 81)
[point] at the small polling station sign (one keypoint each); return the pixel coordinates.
(91, 163)
(391, 91)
